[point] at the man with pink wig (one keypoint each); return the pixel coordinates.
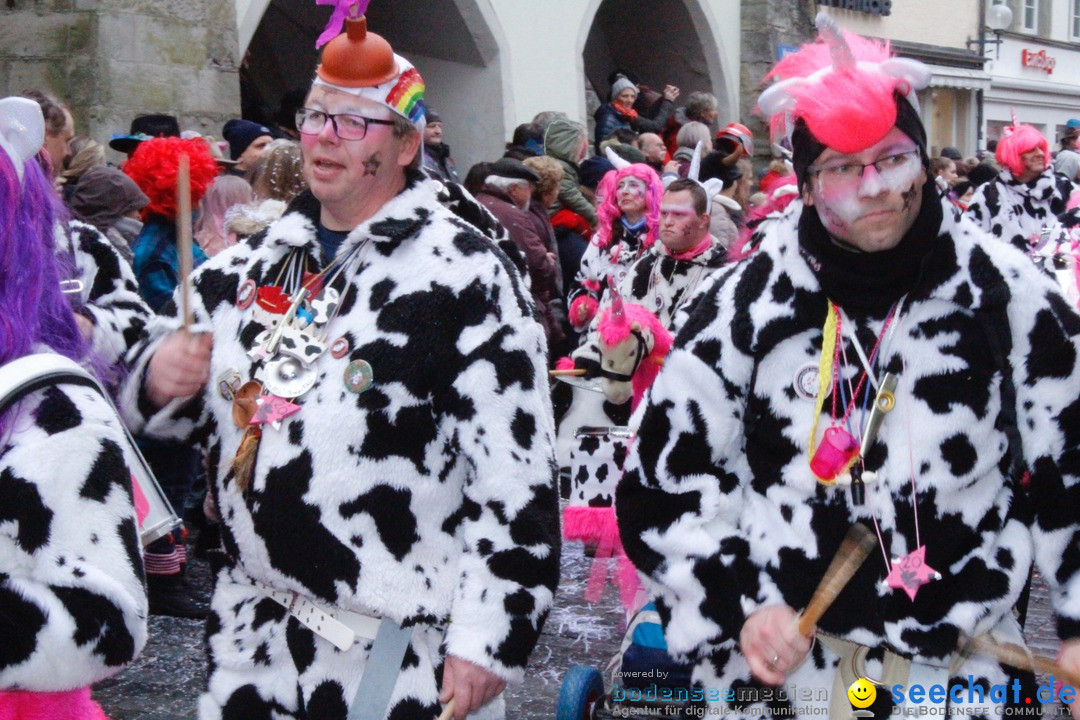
(878, 360)
(1027, 195)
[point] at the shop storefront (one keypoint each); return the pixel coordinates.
(1037, 80)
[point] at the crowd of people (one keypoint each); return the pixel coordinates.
(367, 392)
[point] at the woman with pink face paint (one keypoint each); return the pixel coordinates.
(628, 208)
(1027, 195)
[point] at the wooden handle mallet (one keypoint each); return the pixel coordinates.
(852, 553)
(1019, 658)
(448, 711)
(184, 238)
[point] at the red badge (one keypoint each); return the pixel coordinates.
(340, 348)
(246, 294)
(273, 299)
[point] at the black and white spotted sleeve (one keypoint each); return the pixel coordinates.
(72, 603)
(1045, 358)
(679, 499)
(110, 295)
(498, 406)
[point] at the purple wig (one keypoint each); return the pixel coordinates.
(33, 311)
(608, 209)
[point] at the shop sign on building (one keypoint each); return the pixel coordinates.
(1038, 60)
(874, 7)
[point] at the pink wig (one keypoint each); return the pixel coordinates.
(1019, 139)
(843, 87)
(614, 331)
(608, 210)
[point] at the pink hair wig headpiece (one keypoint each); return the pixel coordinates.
(843, 87)
(608, 210)
(1017, 140)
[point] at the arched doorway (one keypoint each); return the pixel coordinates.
(663, 43)
(458, 56)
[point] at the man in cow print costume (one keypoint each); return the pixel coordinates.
(410, 478)
(728, 504)
(1027, 195)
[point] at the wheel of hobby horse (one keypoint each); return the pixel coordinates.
(582, 689)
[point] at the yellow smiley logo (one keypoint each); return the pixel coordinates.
(862, 693)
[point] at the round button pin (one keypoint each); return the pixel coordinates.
(246, 294)
(358, 376)
(340, 348)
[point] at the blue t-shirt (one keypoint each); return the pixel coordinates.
(330, 241)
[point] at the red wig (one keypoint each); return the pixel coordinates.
(1019, 139)
(156, 164)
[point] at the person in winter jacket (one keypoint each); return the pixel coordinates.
(619, 112)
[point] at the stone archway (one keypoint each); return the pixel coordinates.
(663, 43)
(459, 57)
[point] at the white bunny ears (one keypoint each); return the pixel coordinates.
(22, 130)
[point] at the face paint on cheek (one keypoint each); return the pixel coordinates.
(631, 190)
(903, 180)
(838, 207)
(909, 196)
(372, 165)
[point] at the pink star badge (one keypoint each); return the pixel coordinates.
(911, 572)
(273, 409)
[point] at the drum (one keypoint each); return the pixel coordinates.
(25, 374)
(156, 516)
(596, 464)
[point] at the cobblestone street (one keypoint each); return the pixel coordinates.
(164, 684)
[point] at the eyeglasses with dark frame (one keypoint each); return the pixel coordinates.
(347, 126)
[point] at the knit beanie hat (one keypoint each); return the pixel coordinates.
(620, 85)
(241, 133)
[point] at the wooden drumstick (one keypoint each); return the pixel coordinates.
(1019, 658)
(183, 237)
(853, 552)
(448, 711)
(572, 372)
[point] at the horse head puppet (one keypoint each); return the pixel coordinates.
(633, 344)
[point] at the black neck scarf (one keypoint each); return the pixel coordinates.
(867, 284)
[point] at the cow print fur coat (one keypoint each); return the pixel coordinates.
(1018, 212)
(109, 297)
(71, 574)
(429, 498)
(718, 506)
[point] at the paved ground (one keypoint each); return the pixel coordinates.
(165, 682)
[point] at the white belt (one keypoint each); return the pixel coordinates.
(340, 627)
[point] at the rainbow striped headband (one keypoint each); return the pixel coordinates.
(403, 93)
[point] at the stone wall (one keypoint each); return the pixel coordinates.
(766, 25)
(114, 59)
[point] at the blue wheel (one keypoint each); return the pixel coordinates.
(582, 690)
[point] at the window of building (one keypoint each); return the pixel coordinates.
(1074, 23)
(1029, 15)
